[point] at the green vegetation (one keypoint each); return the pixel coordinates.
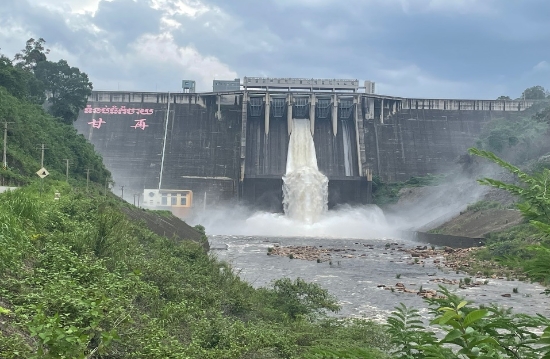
(24, 84)
(535, 93)
(468, 332)
(484, 205)
(30, 128)
(388, 193)
(519, 138)
(532, 93)
(528, 247)
(33, 78)
(80, 280)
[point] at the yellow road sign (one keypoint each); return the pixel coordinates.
(42, 172)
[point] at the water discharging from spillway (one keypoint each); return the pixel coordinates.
(348, 157)
(305, 189)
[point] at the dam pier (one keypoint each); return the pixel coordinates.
(231, 145)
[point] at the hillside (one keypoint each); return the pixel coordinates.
(28, 128)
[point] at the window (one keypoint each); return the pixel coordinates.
(183, 200)
(164, 201)
(174, 200)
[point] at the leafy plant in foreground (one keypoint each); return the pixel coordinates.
(534, 192)
(408, 332)
(467, 331)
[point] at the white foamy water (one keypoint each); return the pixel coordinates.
(305, 189)
(346, 222)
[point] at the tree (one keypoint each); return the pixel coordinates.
(504, 98)
(20, 83)
(534, 193)
(534, 190)
(33, 53)
(67, 88)
(534, 93)
(302, 298)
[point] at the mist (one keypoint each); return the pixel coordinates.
(363, 222)
(425, 208)
(418, 209)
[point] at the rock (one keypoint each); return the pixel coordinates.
(507, 295)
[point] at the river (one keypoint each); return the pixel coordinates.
(355, 275)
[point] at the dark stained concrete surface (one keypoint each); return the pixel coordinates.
(419, 142)
(194, 142)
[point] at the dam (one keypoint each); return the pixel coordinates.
(231, 145)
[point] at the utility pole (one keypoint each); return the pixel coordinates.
(87, 178)
(4, 159)
(106, 184)
(66, 170)
(42, 147)
(122, 188)
(135, 194)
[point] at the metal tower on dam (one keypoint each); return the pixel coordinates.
(232, 144)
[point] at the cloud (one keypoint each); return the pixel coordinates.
(453, 7)
(69, 6)
(410, 79)
(443, 48)
(161, 51)
(542, 66)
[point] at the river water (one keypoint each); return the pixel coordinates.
(355, 274)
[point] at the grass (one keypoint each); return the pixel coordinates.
(77, 276)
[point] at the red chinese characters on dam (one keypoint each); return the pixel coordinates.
(97, 123)
(140, 124)
(115, 110)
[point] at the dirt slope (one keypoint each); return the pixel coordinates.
(478, 224)
(168, 226)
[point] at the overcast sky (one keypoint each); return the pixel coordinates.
(412, 48)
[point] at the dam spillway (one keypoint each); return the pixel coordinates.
(305, 188)
(233, 146)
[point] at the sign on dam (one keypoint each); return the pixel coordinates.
(233, 146)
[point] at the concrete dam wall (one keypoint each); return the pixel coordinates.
(148, 142)
(233, 145)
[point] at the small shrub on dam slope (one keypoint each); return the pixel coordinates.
(388, 192)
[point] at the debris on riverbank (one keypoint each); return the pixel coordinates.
(446, 259)
(310, 253)
(455, 259)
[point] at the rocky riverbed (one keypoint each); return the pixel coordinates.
(371, 277)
